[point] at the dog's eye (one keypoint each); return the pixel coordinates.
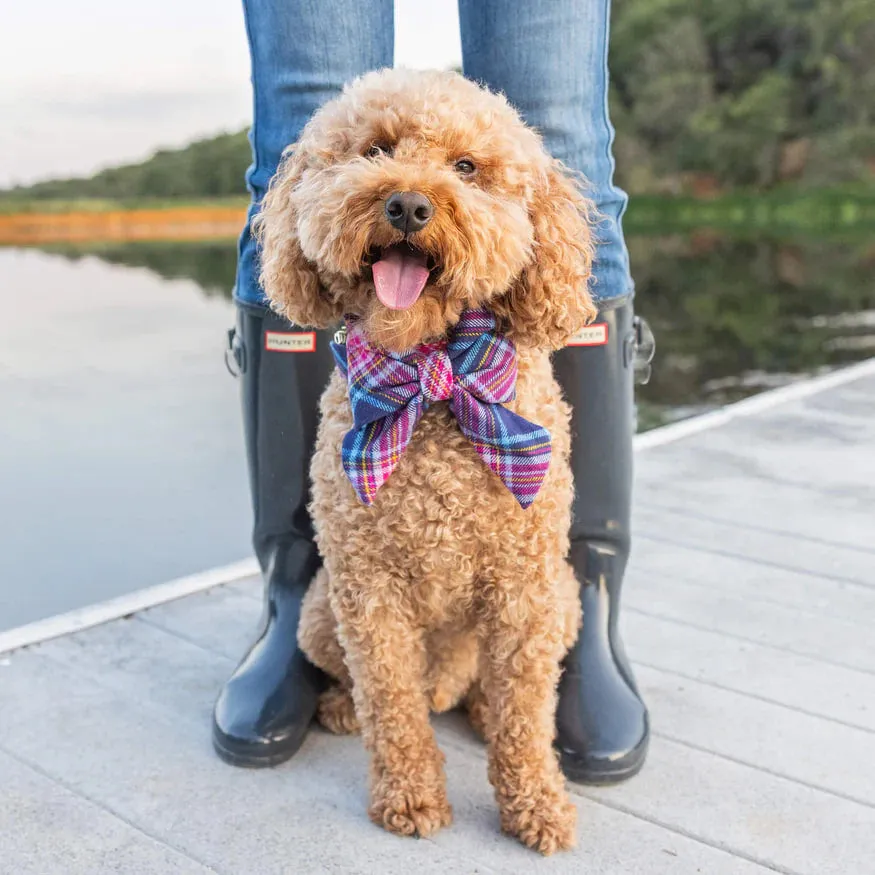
(375, 150)
(465, 167)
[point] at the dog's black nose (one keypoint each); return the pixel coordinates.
(408, 211)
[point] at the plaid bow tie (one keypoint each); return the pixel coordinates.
(475, 370)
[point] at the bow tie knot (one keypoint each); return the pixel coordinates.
(435, 372)
(474, 369)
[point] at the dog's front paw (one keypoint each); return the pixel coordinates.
(410, 810)
(546, 821)
(336, 712)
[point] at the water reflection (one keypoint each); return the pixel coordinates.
(211, 264)
(121, 453)
(736, 316)
(732, 316)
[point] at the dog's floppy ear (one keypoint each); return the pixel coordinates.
(550, 302)
(289, 280)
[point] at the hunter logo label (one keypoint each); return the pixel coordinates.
(290, 341)
(591, 335)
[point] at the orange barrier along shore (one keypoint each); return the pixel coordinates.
(173, 223)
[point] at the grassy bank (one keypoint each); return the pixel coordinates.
(776, 211)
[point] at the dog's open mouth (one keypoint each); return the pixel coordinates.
(400, 274)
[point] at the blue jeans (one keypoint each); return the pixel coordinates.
(548, 56)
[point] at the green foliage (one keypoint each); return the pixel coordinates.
(838, 210)
(706, 96)
(211, 168)
(743, 92)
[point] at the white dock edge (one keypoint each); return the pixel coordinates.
(803, 388)
(130, 603)
(114, 609)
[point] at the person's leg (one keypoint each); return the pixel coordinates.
(550, 58)
(303, 51)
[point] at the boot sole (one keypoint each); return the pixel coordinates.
(247, 758)
(582, 773)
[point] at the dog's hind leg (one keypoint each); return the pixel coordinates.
(317, 637)
(336, 711)
(317, 631)
(478, 710)
(568, 593)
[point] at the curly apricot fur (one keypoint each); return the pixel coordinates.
(444, 590)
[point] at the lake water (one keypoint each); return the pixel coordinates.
(121, 457)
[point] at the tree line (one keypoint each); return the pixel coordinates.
(706, 96)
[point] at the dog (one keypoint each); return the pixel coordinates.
(419, 207)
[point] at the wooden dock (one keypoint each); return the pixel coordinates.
(749, 614)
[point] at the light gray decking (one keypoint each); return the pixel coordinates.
(749, 613)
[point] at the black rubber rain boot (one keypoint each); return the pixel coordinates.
(602, 723)
(264, 710)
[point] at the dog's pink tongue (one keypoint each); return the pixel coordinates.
(399, 278)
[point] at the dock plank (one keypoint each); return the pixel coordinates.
(687, 483)
(796, 629)
(801, 747)
(223, 620)
(48, 830)
(654, 560)
(809, 685)
(747, 811)
(782, 447)
(808, 557)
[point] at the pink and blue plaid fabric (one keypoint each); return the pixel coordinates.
(475, 369)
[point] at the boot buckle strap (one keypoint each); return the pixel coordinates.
(235, 354)
(644, 351)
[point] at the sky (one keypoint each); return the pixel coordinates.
(86, 84)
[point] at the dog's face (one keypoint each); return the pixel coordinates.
(414, 196)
